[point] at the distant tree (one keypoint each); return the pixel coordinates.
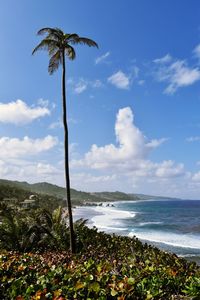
(60, 45)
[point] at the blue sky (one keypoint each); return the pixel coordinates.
(133, 104)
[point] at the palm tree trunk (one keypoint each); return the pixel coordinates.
(66, 148)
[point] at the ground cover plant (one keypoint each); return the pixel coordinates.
(105, 267)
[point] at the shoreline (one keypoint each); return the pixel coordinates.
(111, 220)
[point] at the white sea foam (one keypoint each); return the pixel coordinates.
(111, 218)
(82, 211)
(172, 239)
(149, 223)
(187, 255)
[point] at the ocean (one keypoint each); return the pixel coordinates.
(171, 225)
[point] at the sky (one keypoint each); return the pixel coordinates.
(133, 105)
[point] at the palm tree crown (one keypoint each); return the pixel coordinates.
(58, 43)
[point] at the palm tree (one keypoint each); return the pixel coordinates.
(60, 44)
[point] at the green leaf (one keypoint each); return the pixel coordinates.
(131, 280)
(30, 289)
(79, 285)
(95, 287)
(91, 277)
(113, 292)
(149, 296)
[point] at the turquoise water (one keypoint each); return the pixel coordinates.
(172, 225)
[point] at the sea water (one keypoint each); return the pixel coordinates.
(172, 225)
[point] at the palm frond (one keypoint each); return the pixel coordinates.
(54, 62)
(54, 31)
(53, 50)
(46, 44)
(83, 41)
(69, 37)
(70, 52)
(57, 215)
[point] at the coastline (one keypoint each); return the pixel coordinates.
(108, 218)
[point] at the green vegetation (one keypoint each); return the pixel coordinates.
(35, 263)
(14, 195)
(106, 267)
(32, 230)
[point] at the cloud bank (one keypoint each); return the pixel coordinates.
(131, 153)
(127, 164)
(19, 113)
(15, 148)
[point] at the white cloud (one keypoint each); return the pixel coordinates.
(126, 165)
(46, 169)
(31, 171)
(89, 178)
(131, 151)
(102, 58)
(168, 169)
(155, 143)
(196, 177)
(165, 59)
(196, 51)
(57, 124)
(19, 112)
(120, 80)
(193, 139)
(30, 160)
(80, 87)
(180, 75)
(176, 73)
(15, 148)
(43, 102)
(87, 181)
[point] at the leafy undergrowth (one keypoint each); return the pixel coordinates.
(107, 267)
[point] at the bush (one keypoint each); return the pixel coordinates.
(32, 230)
(106, 267)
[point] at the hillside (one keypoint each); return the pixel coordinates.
(23, 189)
(111, 196)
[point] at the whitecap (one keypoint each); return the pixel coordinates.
(111, 218)
(172, 239)
(149, 223)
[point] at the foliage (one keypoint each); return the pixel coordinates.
(22, 230)
(17, 194)
(6, 191)
(106, 267)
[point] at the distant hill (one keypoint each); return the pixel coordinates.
(111, 196)
(78, 197)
